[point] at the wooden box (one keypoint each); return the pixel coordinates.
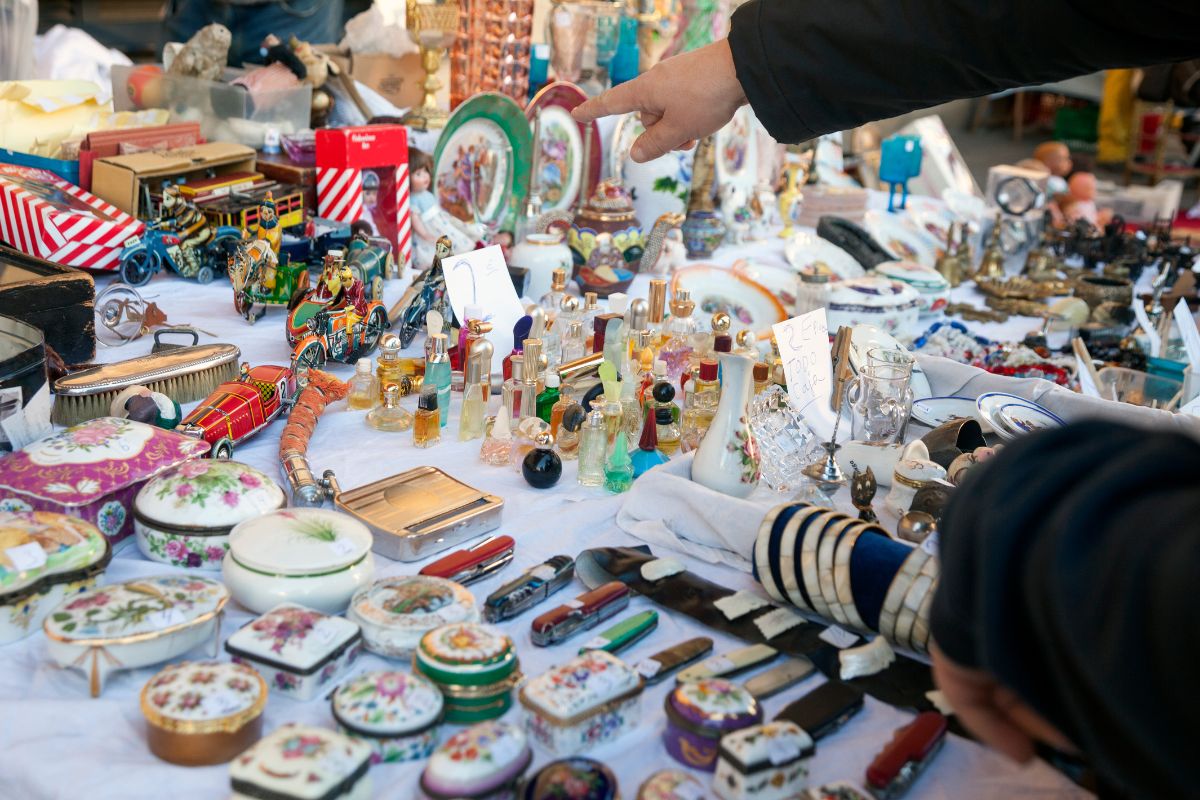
(57, 300)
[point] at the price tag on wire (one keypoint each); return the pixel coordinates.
(804, 350)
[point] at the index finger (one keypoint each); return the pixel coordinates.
(620, 99)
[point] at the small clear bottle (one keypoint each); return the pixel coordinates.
(656, 312)
(663, 396)
(391, 367)
(364, 387)
(551, 301)
(812, 288)
(496, 449)
(427, 426)
(560, 406)
(530, 376)
(681, 340)
(591, 309)
(390, 416)
(707, 392)
(593, 447)
(510, 390)
(525, 438)
(574, 342)
(476, 390)
(567, 441)
(667, 430)
(762, 376)
(618, 468)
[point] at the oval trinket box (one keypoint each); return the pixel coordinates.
(483, 762)
(183, 517)
(395, 613)
(311, 556)
(203, 713)
(133, 624)
(44, 557)
(572, 779)
(699, 713)
(397, 714)
(475, 666)
(302, 762)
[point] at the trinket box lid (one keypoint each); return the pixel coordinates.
(771, 744)
(93, 459)
(916, 275)
(299, 541)
(476, 761)
(575, 778)
(580, 685)
(466, 653)
(142, 609)
(387, 703)
(41, 548)
(302, 762)
(206, 494)
(293, 638)
(671, 784)
(414, 604)
(712, 705)
(203, 697)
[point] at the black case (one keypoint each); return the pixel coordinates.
(825, 709)
(57, 300)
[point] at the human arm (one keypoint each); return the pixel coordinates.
(1069, 567)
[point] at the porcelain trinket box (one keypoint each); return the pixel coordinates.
(699, 713)
(397, 714)
(592, 699)
(575, 778)
(303, 762)
(395, 613)
(894, 307)
(483, 762)
(475, 667)
(765, 762)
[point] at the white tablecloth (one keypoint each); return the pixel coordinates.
(57, 742)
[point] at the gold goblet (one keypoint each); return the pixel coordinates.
(433, 26)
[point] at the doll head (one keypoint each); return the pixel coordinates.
(420, 170)
(1082, 186)
(1056, 156)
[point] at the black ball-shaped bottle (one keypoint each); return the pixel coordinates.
(541, 466)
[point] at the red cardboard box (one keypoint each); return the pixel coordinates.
(362, 174)
(44, 216)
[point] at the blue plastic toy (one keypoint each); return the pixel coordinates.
(899, 161)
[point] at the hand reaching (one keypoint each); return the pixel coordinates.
(681, 100)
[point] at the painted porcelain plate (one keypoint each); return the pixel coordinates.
(806, 249)
(491, 130)
(864, 338)
(658, 187)
(561, 171)
(899, 239)
(1012, 416)
(935, 411)
(749, 304)
(780, 281)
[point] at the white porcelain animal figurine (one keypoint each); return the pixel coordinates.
(735, 210)
(674, 253)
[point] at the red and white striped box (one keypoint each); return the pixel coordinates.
(43, 215)
(362, 174)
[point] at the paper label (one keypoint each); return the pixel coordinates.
(719, 665)
(342, 547)
(1087, 386)
(596, 643)
(324, 634)
(782, 750)
(573, 604)
(648, 668)
(26, 556)
(804, 350)
(740, 604)
(838, 637)
(20, 425)
(167, 618)
(481, 278)
(222, 704)
(543, 572)
(930, 544)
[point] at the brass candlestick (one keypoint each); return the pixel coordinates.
(433, 26)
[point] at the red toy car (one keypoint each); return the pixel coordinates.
(236, 410)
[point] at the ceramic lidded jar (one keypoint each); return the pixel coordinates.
(311, 556)
(183, 517)
(483, 761)
(396, 713)
(572, 779)
(541, 254)
(728, 459)
(606, 240)
(395, 613)
(699, 713)
(44, 558)
(203, 713)
(912, 472)
(303, 762)
(932, 287)
(874, 300)
(475, 666)
(764, 762)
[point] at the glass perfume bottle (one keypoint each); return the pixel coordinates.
(542, 467)
(364, 387)
(390, 416)
(593, 447)
(648, 455)
(568, 313)
(496, 449)
(812, 288)
(656, 312)
(567, 441)
(614, 418)
(663, 396)
(391, 367)
(520, 334)
(525, 439)
(591, 309)
(510, 390)
(745, 344)
(476, 390)
(561, 405)
(552, 300)
(681, 341)
(437, 375)
(762, 376)
(473, 331)
(574, 342)
(618, 469)
(548, 400)
(631, 409)
(427, 426)
(667, 431)
(530, 372)
(708, 387)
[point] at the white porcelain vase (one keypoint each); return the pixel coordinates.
(541, 254)
(728, 460)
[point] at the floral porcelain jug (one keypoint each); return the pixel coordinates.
(728, 460)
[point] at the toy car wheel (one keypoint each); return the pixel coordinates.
(205, 275)
(137, 269)
(222, 449)
(377, 289)
(376, 323)
(311, 356)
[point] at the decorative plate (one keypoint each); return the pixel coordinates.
(561, 147)
(935, 411)
(806, 249)
(899, 239)
(1012, 416)
(491, 126)
(749, 304)
(146, 607)
(864, 338)
(658, 187)
(300, 541)
(736, 147)
(779, 281)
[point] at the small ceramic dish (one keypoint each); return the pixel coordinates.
(183, 517)
(475, 666)
(865, 338)
(203, 713)
(483, 762)
(592, 699)
(699, 713)
(397, 714)
(297, 649)
(929, 283)
(311, 556)
(874, 300)
(133, 624)
(805, 250)
(765, 762)
(44, 557)
(395, 613)
(303, 762)
(575, 778)
(1012, 416)
(749, 304)
(935, 411)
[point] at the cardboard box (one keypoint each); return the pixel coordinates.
(280, 168)
(119, 179)
(397, 80)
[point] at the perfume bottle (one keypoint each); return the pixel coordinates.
(762, 376)
(568, 313)
(695, 425)
(746, 344)
(648, 455)
(427, 426)
(548, 400)
(551, 300)
(541, 466)
(567, 441)
(472, 317)
(593, 446)
(391, 367)
(663, 396)
(437, 374)
(631, 409)
(708, 387)
(390, 416)
(510, 390)
(574, 343)
(364, 387)
(476, 390)
(591, 310)
(599, 328)
(520, 334)
(561, 405)
(618, 469)
(530, 372)
(681, 341)
(667, 431)
(525, 439)
(496, 449)
(656, 311)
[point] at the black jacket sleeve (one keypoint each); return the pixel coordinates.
(810, 67)
(1070, 566)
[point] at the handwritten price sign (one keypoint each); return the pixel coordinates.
(804, 348)
(481, 277)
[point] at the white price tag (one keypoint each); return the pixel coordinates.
(838, 637)
(342, 547)
(573, 604)
(26, 556)
(719, 665)
(782, 750)
(324, 634)
(930, 544)
(543, 572)
(222, 704)
(481, 278)
(596, 643)
(648, 668)
(167, 618)
(1139, 312)
(804, 350)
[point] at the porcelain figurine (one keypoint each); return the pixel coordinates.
(728, 460)
(735, 211)
(789, 198)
